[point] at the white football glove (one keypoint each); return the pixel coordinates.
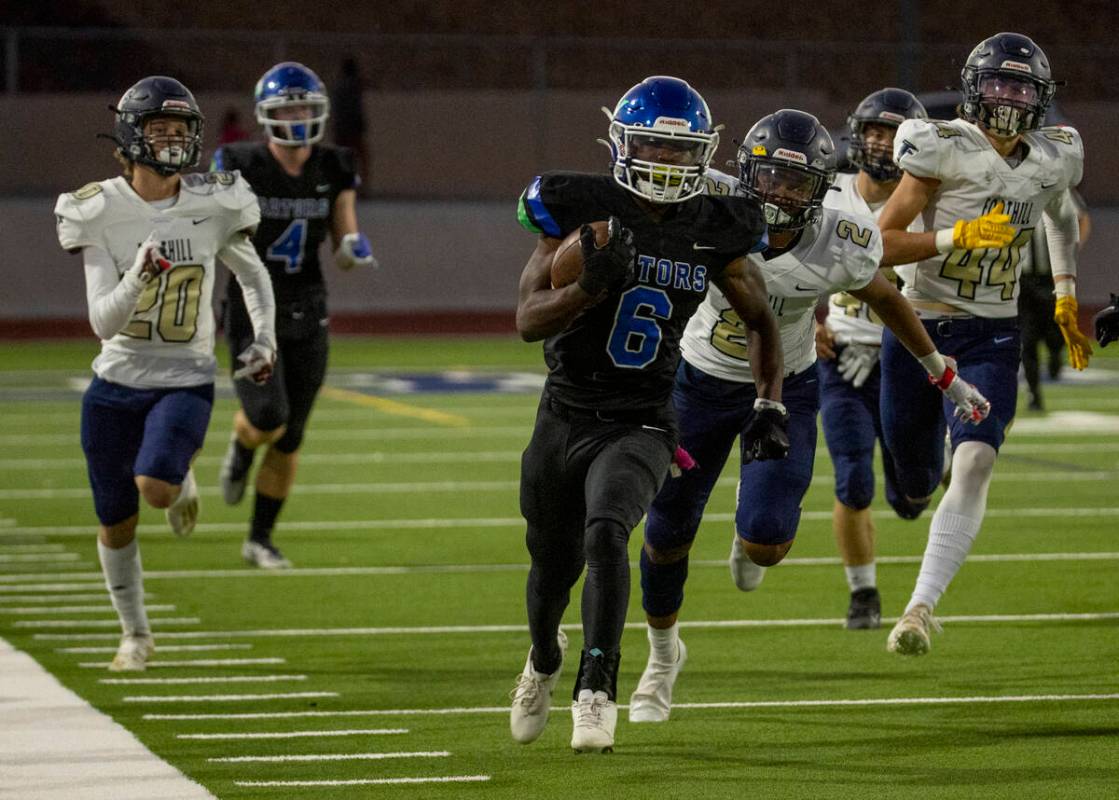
(971, 406)
(258, 360)
(355, 251)
(149, 262)
(857, 361)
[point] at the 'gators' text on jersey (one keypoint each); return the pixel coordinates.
(622, 352)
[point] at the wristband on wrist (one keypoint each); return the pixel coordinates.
(762, 404)
(944, 240)
(1065, 287)
(934, 364)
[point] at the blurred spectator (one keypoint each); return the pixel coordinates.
(231, 130)
(348, 112)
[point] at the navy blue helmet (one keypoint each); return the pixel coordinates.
(1007, 85)
(661, 140)
(292, 104)
(787, 163)
(889, 107)
(162, 97)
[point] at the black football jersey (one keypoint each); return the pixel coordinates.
(621, 353)
(294, 212)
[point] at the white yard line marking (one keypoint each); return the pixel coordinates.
(57, 598)
(833, 703)
(163, 648)
(225, 698)
(364, 782)
(55, 745)
(99, 623)
(27, 558)
(190, 663)
(316, 459)
(10, 547)
(292, 734)
(61, 588)
(24, 440)
(439, 630)
(421, 569)
(327, 757)
(201, 680)
(98, 609)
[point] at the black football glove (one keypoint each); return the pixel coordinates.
(1107, 323)
(766, 436)
(610, 266)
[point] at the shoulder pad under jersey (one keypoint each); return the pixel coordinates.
(556, 203)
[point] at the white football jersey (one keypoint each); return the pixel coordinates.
(839, 252)
(973, 178)
(849, 318)
(170, 338)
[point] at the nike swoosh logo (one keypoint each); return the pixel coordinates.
(1002, 339)
(322, 187)
(807, 289)
(198, 221)
(703, 247)
(1048, 185)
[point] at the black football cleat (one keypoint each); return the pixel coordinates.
(865, 611)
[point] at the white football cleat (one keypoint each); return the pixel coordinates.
(234, 474)
(746, 574)
(532, 697)
(264, 556)
(133, 654)
(183, 513)
(910, 636)
(652, 700)
(594, 716)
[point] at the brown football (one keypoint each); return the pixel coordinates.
(567, 263)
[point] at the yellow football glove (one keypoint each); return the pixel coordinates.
(992, 230)
(1066, 317)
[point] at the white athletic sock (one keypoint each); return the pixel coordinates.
(125, 580)
(863, 576)
(664, 643)
(950, 538)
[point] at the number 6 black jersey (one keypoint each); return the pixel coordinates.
(621, 353)
(294, 212)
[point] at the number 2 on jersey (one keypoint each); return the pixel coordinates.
(967, 267)
(636, 336)
(177, 320)
(289, 247)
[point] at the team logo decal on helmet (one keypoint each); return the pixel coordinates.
(160, 97)
(1007, 85)
(889, 107)
(661, 140)
(787, 163)
(292, 105)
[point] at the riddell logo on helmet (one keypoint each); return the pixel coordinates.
(176, 104)
(671, 122)
(1018, 66)
(890, 116)
(790, 155)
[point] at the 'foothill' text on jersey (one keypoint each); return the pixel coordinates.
(621, 353)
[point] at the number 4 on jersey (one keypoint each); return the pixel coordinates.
(289, 247)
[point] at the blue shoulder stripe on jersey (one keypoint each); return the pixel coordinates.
(217, 164)
(539, 212)
(763, 243)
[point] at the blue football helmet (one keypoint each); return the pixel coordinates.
(1007, 85)
(158, 96)
(787, 163)
(661, 140)
(889, 107)
(290, 85)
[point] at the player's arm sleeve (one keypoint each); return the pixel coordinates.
(555, 204)
(111, 297)
(1062, 232)
(917, 148)
(241, 257)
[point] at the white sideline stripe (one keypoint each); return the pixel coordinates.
(836, 703)
(98, 623)
(421, 569)
(61, 588)
(224, 698)
(320, 526)
(521, 628)
(14, 547)
(365, 781)
(56, 598)
(200, 680)
(317, 459)
(522, 431)
(328, 757)
(55, 746)
(26, 558)
(429, 487)
(163, 648)
(98, 609)
(293, 734)
(200, 662)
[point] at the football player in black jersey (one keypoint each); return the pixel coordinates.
(605, 431)
(305, 189)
